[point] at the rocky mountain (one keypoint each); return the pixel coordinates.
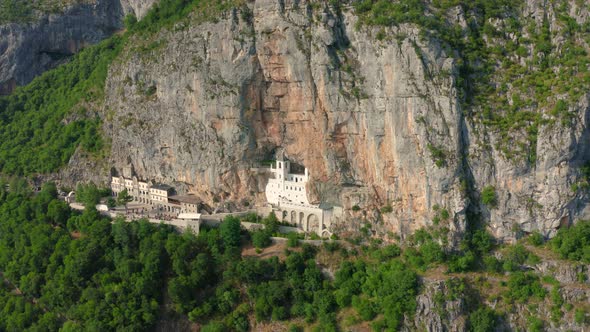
(396, 119)
(45, 38)
(461, 118)
(374, 112)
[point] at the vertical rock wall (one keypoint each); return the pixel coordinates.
(28, 49)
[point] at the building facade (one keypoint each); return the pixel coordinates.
(157, 195)
(286, 192)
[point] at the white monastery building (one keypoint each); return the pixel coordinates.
(158, 195)
(286, 193)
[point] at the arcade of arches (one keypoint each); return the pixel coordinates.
(307, 221)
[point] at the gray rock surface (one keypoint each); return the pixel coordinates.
(29, 49)
(365, 116)
(215, 98)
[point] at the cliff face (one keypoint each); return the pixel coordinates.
(212, 99)
(30, 48)
(445, 304)
(377, 122)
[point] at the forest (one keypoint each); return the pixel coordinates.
(66, 270)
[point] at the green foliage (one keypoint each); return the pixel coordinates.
(523, 286)
(166, 13)
(111, 202)
(230, 231)
(393, 289)
(488, 196)
(364, 307)
(356, 208)
(130, 21)
(573, 242)
(580, 316)
(88, 194)
(438, 155)
(15, 11)
(516, 256)
(292, 240)
(535, 324)
(536, 239)
(482, 320)
(123, 197)
(99, 280)
(261, 238)
(34, 138)
(387, 209)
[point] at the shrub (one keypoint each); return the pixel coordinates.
(356, 208)
(387, 209)
(492, 264)
(535, 324)
(482, 320)
(364, 308)
(488, 196)
(295, 328)
(517, 255)
(390, 251)
(536, 239)
(213, 327)
(261, 239)
(574, 242)
(292, 239)
(580, 316)
(522, 286)
(438, 155)
(230, 231)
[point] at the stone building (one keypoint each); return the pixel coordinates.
(161, 196)
(187, 203)
(286, 192)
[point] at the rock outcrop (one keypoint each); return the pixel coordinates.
(30, 48)
(377, 122)
(213, 99)
(445, 304)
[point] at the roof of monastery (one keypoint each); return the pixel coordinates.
(161, 186)
(190, 199)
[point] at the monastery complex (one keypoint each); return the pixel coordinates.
(286, 195)
(157, 195)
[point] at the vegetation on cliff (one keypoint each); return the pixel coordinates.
(71, 270)
(516, 72)
(18, 11)
(43, 123)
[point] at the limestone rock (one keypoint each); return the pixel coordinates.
(29, 49)
(216, 98)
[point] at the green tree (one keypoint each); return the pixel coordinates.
(111, 202)
(482, 320)
(88, 194)
(58, 213)
(230, 231)
(261, 238)
(488, 196)
(123, 198)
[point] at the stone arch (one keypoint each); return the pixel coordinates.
(326, 233)
(313, 223)
(301, 220)
(293, 219)
(285, 215)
